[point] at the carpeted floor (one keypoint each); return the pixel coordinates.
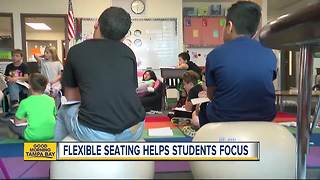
(12, 164)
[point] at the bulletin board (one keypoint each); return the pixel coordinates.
(153, 40)
(203, 31)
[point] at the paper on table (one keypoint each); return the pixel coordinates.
(196, 101)
(166, 131)
(180, 109)
(19, 124)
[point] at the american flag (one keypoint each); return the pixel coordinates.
(71, 31)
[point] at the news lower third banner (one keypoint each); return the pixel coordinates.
(219, 151)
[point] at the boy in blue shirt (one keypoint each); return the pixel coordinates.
(240, 72)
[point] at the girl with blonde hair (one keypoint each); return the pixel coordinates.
(51, 67)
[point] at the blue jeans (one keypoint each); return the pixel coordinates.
(14, 90)
(67, 124)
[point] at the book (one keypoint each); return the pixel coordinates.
(182, 112)
(18, 124)
(180, 109)
(64, 101)
(23, 83)
(166, 131)
(196, 101)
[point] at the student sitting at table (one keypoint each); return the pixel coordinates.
(38, 110)
(185, 63)
(197, 111)
(192, 86)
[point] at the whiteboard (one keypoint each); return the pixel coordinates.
(153, 40)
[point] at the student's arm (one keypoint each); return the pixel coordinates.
(69, 81)
(210, 74)
(210, 92)
(192, 94)
(183, 66)
(188, 105)
(57, 79)
(18, 121)
(38, 57)
(7, 73)
(23, 78)
(21, 113)
(72, 94)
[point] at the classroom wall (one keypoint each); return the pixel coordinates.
(159, 9)
(49, 36)
(81, 8)
(198, 55)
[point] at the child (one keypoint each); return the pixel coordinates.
(185, 63)
(149, 83)
(38, 110)
(240, 73)
(51, 68)
(15, 72)
(199, 110)
(192, 87)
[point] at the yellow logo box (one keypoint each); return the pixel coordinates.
(40, 151)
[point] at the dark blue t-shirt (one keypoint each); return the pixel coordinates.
(242, 70)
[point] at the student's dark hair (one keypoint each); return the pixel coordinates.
(114, 23)
(38, 82)
(17, 51)
(245, 16)
(185, 56)
(152, 75)
(191, 77)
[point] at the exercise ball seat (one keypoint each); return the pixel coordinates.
(277, 151)
(101, 169)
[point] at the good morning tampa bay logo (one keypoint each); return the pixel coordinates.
(40, 151)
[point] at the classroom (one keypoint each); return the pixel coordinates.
(159, 89)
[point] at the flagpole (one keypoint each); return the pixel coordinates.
(70, 25)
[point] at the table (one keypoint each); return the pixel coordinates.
(171, 79)
(280, 94)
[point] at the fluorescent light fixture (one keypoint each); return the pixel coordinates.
(39, 26)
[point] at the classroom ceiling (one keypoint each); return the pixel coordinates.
(276, 8)
(56, 24)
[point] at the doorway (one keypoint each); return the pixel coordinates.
(42, 30)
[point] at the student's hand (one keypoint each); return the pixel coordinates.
(16, 121)
(197, 109)
(12, 79)
(202, 94)
(195, 120)
(150, 89)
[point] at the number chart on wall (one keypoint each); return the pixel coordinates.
(153, 40)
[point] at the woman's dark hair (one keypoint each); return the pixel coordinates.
(245, 15)
(152, 75)
(114, 23)
(185, 56)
